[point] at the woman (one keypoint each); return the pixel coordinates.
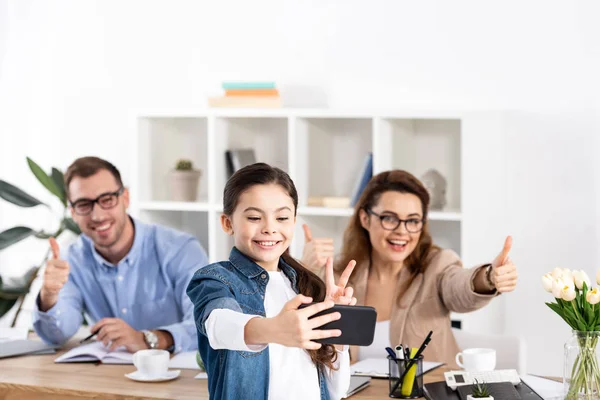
(413, 284)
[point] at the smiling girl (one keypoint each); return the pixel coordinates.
(252, 337)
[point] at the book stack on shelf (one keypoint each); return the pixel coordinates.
(238, 158)
(248, 95)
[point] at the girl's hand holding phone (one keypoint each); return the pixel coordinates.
(339, 293)
(292, 327)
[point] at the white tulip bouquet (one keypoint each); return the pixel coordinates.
(577, 304)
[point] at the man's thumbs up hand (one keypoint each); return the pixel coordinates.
(55, 277)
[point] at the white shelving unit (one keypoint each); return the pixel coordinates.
(324, 151)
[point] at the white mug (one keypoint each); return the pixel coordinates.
(477, 359)
(152, 363)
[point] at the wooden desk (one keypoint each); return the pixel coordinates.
(36, 377)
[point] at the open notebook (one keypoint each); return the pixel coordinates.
(96, 351)
(379, 367)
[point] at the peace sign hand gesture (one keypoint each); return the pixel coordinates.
(339, 293)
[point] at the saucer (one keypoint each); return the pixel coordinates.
(138, 376)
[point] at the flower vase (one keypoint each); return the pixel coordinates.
(581, 369)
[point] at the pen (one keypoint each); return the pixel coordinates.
(418, 353)
(399, 352)
(406, 354)
(391, 352)
(88, 338)
(424, 344)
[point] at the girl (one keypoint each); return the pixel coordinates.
(413, 284)
(254, 340)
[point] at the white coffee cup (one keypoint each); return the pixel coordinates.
(477, 359)
(152, 363)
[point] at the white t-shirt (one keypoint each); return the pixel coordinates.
(381, 340)
(293, 375)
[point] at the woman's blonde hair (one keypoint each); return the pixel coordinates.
(357, 245)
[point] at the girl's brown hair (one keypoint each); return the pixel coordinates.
(357, 245)
(309, 284)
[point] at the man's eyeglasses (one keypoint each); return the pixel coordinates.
(106, 201)
(390, 222)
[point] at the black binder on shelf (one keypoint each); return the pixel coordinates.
(441, 391)
(238, 158)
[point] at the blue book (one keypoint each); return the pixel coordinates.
(365, 176)
(248, 85)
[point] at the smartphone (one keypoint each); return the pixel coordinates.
(357, 324)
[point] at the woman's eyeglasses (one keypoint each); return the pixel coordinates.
(106, 201)
(391, 222)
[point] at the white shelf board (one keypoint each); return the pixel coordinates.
(175, 206)
(326, 211)
(227, 112)
(445, 216)
(283, 112)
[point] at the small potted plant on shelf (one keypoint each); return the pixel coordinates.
(480, 392)
(184, 181)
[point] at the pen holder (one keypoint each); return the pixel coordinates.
(406, 384)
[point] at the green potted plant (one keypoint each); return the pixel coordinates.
(480, 391)
(15, 291)
(184, 181)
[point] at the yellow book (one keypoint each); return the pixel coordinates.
(245, 101)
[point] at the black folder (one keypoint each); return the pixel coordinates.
(441, 391)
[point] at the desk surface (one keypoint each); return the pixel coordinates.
(34, 377)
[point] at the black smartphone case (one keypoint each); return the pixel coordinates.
(357, 325)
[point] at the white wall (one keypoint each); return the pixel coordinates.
(72, 73)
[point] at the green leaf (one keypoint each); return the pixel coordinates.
(72, 226)
(588, 314)
(19, 287)
(43, 235)
(6, 305)
(14, 235)
(13, 292)
(59, 180)
(28, 278)
(594, 321)
(16, 196)
(564, 310)
(44, 178)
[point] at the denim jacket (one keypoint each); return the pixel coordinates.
(239, 285)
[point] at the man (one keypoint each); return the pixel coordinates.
(129, 277)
